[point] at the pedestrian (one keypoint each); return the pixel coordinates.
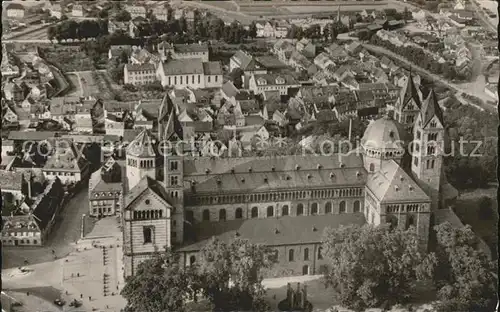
(53, 251)
(81, 296)
(78, 274)
(27, 293)
(90, 298)
(66, 292)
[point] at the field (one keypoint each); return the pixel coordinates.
(75, 89)
(68, 59)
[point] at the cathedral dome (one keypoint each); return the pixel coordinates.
(385, 136)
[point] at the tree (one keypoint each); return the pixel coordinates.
(123, 16)
(252, 32)
(160, 284)
(464, 276)
(236, 77)
(370, 266)
(231, 274)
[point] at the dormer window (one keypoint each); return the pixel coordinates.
(433, 124)
(261, 82)
(265, 179)
(297, 167)
(319, 167)
(280, 80)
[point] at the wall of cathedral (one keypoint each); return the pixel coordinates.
(265, 205)
(297, 259)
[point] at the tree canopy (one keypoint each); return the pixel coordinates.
(160, 284)
(466, 280)
(231, 274)
(371, 266)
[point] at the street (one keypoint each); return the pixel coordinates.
(66, 231)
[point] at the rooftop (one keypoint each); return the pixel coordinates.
(272, 231)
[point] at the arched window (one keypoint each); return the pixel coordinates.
(255, 212)
(239, 213)
(192, 260)
(222, 215)
(300, 209)
(328, 207)
(320, 255)
(284, 210)
(314, 208)
(393, 221)
(270, 211)
(290, 255)
(411, 221)
(357, 206)
(306, 254)
(206, 215)
(147, 234)
(342, 207)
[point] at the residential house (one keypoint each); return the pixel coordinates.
(13, 92)
(323, 60)
(270, 82)
(83, 119)
(66, 163)
(136, 11)
(270, 63)
(143, 56)
(55, 10)
(183, 51)
(337, 52)
(32, 227)
(246, 63)
(160, 12)
(139, 74)
(300, 62)
(306, 48)
(114, 125)
(9, 115)
(192, 73)
(283, 49)
(272, 29)
(114, 26)
(106, 190)
(77, 10)
(15, 10)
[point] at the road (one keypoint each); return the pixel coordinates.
(66, 231)
(477, 93)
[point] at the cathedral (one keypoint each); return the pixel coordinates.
(394, 176)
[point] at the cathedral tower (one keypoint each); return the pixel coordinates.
(141, 159)
(408, 104)
(171, 149)
(428, 147)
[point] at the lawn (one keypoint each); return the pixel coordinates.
(95, 85)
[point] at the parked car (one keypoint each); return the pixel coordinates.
(59, 302)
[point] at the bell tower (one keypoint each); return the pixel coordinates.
(171, 150)
(141, 159)
(408, 104)
(428, 147)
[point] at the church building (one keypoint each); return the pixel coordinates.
(395, 176)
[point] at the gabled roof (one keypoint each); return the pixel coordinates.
(392, 184)
(144, 185)
(409, 92)
(431, 108)
(142, 145)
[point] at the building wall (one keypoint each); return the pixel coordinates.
(213, 81)
(65, 177)
(22, 238)
(106, 207)
(139, 77)
(15, 13)
(191, 55)
(277, 208)
(133, 230)
(285, 266)
(182, 81)
(135, 172)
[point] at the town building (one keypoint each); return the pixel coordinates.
(15, 10)
(136, 11)
(160, 13)
(66, 163)
(139, 74)
(272, 82)
(77, 10)
(283, 202)
(31, 225)
(106, 190)
(183, 51)
(193, 73)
